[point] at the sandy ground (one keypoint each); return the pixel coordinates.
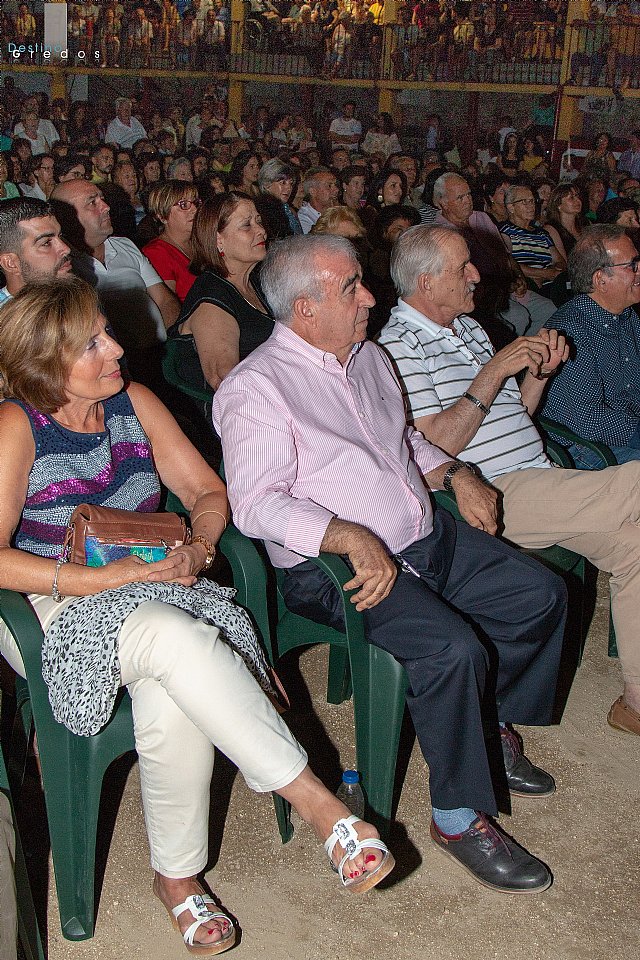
(289, 905)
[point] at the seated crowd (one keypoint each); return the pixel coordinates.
(425, 39)
(297, 276)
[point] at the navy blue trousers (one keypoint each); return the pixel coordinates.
(479, 633)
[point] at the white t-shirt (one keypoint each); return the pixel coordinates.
(122, 282)
(345, 128)
(125, 135)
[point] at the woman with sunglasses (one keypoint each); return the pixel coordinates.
(174, 204)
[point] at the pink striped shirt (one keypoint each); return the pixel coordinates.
(306, 439)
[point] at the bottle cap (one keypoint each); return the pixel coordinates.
(350, 776)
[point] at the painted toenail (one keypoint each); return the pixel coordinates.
(369, 858)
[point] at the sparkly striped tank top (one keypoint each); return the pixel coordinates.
(112, 468)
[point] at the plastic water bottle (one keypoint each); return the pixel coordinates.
(350, 792)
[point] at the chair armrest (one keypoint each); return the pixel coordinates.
(558, 454)
(552, 427)
(339, 573)
(18, 614)
(249, 578)
(447, 501)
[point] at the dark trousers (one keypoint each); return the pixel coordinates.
(480, 628)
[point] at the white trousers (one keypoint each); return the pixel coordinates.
(190, 691)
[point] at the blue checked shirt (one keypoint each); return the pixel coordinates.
(597, 392)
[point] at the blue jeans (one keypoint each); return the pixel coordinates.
(586, 459)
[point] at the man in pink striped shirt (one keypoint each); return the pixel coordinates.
(318, 457)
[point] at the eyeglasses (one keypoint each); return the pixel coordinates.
(523, 200)
(187, 204)
(632, 264)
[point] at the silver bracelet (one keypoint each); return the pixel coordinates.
(55, 593)
(478, 403)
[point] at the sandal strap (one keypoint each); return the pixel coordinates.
(344, 834)
(376, 844)
(196, 904)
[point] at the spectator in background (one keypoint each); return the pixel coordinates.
(320, 191)
(621, 211)
(529, 243)
(244, 171)
(42, 170)
(276, 182)
(564, 220)
(174, 204)
(71, 167)
(629, 161)
(354, 181)
(139, 38)
(8, 190)
(346, 130)
(381, 137)
(102, 163)
(124, 130)
(600, 161)
(135, 301)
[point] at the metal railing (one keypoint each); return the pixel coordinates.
(603, 53)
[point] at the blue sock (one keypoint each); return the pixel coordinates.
(455, 821)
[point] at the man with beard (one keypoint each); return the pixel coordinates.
(31, 246)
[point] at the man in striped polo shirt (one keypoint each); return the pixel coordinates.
(464, 398)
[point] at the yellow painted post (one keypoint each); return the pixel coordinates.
(58, 84)
(570, 118)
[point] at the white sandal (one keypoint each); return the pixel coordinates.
(197, 906)
(344, 834)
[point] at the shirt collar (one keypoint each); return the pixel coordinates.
(322, 358)
(600, 314)
(404, 312)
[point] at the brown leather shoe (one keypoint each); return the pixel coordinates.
(623, 717)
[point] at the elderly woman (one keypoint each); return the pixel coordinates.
(180, 169)
(71, 432)
(277, 181)
(175, 204)
(530, 244)
(224, 316)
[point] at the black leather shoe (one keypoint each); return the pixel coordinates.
(523, 778)
(494, 859)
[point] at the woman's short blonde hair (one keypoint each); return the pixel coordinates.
(43, 331)
(162, 196)
(333, 217)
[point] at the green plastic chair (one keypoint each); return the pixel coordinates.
(552, 429)
(372, 676)
(73, 767)
(28, 930)
(170, 358)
